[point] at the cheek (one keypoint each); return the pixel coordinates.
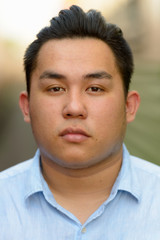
(109, 116)
(44, 114)
(44, 106)
(106, 110)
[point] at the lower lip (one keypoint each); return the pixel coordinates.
(76, 138)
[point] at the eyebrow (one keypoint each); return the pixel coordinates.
(94, 75)
(51, 75)
(99, 75)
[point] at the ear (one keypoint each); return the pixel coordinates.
(24, 105)
(132, 105)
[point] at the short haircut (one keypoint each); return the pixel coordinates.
(75, 23)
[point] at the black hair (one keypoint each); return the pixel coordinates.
(75, 23)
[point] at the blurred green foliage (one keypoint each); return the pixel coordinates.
(143, 135)
(16, 140)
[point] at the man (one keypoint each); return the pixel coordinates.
(82, 183)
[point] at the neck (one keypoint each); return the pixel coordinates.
(82, 191)
(99, 177)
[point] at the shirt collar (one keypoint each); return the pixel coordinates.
(127, 179)
(34, 177)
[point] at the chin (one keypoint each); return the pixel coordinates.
(76, 165)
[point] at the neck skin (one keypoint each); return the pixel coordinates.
(82, 191)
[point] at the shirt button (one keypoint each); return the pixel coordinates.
(83, 230)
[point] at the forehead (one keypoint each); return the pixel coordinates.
(90, 51)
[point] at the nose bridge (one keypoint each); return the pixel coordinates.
(75, 98)
(75, 105)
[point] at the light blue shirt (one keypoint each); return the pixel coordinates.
(28, 210)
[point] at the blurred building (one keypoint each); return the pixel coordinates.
(138, 19)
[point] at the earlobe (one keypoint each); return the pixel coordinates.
(24, 106)
(132, 105)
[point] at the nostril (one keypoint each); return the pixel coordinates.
(72, 110)
(74, 115)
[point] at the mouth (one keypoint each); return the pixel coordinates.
(74, 135)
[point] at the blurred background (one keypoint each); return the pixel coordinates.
(19, 23)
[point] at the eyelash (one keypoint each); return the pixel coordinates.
(98, 89)
(55, 89)
(61, 89)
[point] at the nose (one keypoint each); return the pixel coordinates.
(75, 106)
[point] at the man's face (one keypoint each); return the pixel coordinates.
(76, 107)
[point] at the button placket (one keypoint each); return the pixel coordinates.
(83, 230)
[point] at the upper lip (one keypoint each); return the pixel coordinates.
(74, 131)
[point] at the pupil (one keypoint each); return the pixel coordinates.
(56, 89)
(94, 89)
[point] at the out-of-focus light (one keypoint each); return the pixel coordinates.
(21, 20)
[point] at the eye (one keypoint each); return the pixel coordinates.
(95, 89)
(56, 89)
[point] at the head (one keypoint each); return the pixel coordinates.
(75, 23)
(78, 73)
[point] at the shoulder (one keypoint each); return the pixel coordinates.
(19, 176)
(144, 166)
(20, 169)
(147, 174)
(13, 183)
(15, 178)
(16, 170)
